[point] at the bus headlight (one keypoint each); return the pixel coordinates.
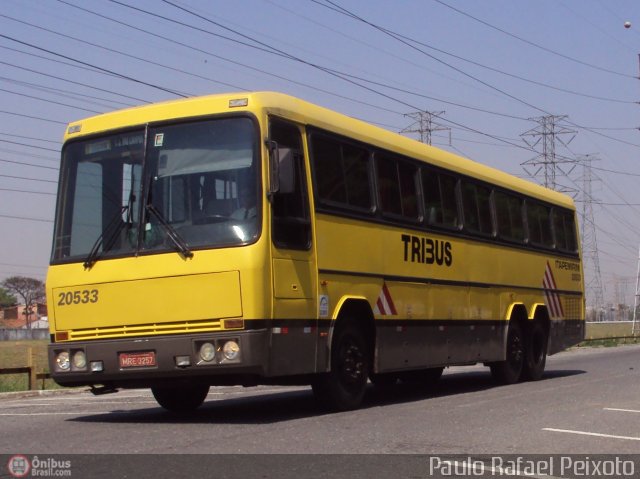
(79, 360)
(231, 350)
(207, 352)
(62, 361)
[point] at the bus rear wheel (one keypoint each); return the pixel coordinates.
(535, 356)
(344, 386)
(509, 371)
(183, 398)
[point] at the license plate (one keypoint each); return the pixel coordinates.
(138, 360)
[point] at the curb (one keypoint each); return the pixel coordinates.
(41, 392)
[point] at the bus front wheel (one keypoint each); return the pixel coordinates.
(183, 398)
(344, 386)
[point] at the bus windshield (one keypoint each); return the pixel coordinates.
(192, 185)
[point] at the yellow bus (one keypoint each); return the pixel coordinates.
(255, 238)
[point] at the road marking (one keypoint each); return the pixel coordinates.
(45, 413)
(87, 403)
(597, 434)
(621, 410)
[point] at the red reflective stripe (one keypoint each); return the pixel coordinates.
(552, 298)
(384, 304)
(387, 297)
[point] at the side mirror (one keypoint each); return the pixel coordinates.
(286, 173)
(281, 169)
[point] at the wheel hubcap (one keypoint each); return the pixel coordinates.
(352, 364)
(516, 352)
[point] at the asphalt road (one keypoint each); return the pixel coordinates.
(587, 403)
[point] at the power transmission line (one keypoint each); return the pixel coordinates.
(120, 75)
(412, 42)
(72, 81)
(528, 42)
(26, 218)
(91, 99)
(32, 117)
(145, 60)
(30, 179)
(400, 38)
(15, 190)
(29, 164)
(24, 95)
(13, 135)
(228, 60)
(30, 146)
(275, 51)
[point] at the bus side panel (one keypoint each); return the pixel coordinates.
(439, 325)
(292, 343)
(565, 334)
(570, 331)
(426, 344)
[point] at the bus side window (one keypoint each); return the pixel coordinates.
(539, 224)
(476, 204)
(327, 155)
(341, 173)
(291, 224)
(388, 185)
(565, 230)
(397, 187)
(509, 217)
(439, 192)
(356, 173)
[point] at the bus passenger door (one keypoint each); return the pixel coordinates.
(294, 323)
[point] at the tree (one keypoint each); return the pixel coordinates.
(30, 290)
(6, 298)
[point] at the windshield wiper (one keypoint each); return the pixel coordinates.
(113, 229)
(177, 240)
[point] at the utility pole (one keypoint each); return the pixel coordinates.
(548, 132)
(594, 288)
(424, 125)
(636, 327)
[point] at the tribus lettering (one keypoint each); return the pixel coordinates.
(426, 250)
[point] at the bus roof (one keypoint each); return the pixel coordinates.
(286, 106)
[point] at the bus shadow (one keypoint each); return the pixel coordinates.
(281, 406)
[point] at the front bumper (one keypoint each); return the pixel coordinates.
(251, 362)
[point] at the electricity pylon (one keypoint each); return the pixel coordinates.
(594, 288)
(424, 125)
(546, 134)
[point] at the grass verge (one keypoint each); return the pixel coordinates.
(14, 354)
(608, 342)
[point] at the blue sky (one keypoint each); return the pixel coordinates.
(491, 66)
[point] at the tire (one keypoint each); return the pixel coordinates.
(344, 386)
(184, 398)
(510, 370)
(535, 352)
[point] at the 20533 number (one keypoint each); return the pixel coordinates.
(84, 296)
